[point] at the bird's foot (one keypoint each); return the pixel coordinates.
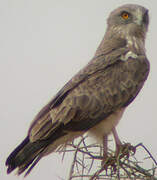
(108, 160)
(121, 151)
(124, 150)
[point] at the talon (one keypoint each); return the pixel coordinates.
(125, 150)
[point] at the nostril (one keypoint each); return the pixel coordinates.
(146, 17)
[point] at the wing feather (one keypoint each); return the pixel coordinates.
(103, 86)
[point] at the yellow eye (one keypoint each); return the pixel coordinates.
(125, 15)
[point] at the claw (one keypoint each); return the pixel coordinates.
(125, 150)
(122, 150)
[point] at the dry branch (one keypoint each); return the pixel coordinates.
(88, 157)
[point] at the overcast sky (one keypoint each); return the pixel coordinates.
(42, 45)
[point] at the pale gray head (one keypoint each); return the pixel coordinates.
(128, 20)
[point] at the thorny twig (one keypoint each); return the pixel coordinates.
(87, 163)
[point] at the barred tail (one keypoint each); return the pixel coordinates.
(25, 154)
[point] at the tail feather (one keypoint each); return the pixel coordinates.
(24, 166)
(24, 155)
(29, 153)
(33, 163)
(10, 160)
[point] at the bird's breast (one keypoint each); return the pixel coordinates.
(106, 125)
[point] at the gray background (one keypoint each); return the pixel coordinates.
(42, 45)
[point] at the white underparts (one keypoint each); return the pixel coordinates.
(105, 126)
(98, 131)
(128, 55)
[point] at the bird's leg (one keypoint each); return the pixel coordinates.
(105, 146)
(122, 149)
(117, 141)
(105, 157)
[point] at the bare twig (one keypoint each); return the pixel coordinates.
(86, 163)
(147, 152)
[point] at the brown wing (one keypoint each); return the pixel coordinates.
(102, 94)
(43, 121)
(92, 99)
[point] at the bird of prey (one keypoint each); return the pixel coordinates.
(96, 97)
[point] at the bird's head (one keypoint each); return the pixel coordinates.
(128, 21)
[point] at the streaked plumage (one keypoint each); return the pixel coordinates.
(97, 96)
